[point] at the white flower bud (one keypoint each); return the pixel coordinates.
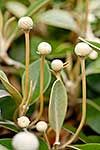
(57, 65)
(82, 49)
(93, 55)
(44, 48)
(41, 126)
(25, 141)
(25, 23)
(23, 121)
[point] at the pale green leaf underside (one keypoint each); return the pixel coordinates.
(57, 106)
(59, 18)
(16, 8)
(12, 90)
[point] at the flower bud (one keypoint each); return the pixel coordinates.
(41, 126)
(82, 49)
(93, 55)
(25, 141)
(25, 23)
(23, 121)
(44, 48)
(56, 65)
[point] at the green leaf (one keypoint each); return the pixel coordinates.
(16, 8)
(59, 18)
(59, 49)
(94, 85)
(7, 143)
(90, 146)
(93, 67)
(93, 114)
(82, 136)
(36, 6)
(12, 90)
(9, 125)
(34, 75)
(94, 45)
(72, 130)
(43, 144)
(57, 106)
(7, 108)
(4, 93)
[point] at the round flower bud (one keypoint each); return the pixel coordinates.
(93, 55)
(82, 49)
(25, 141)
(25, 23)
(41, 126)
(23, 121)
(57, 65)
(44, 48)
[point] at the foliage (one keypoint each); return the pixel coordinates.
(61, 23)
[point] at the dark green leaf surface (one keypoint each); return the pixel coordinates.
(93, 114)
(82, 136)
(7, 108)
(93, 67)
(43, 144)
(6, 143)
(91, 146)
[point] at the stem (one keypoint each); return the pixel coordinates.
(27, 72)
(83, 105)
(46, 138)
(41, 90)
(86, 15)
(58, 76)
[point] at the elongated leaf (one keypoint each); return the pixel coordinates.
(93, 67)
(4, 93)
(59, 18)
(12, 90)
(82, 136)
(36, 6)
(6, 143)
(7, 108)
(34, 75)
(94, 45)
(93, 114)
(9, 125)
(90, 146)
(43, 144)
(16, 8)
(57, 106)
